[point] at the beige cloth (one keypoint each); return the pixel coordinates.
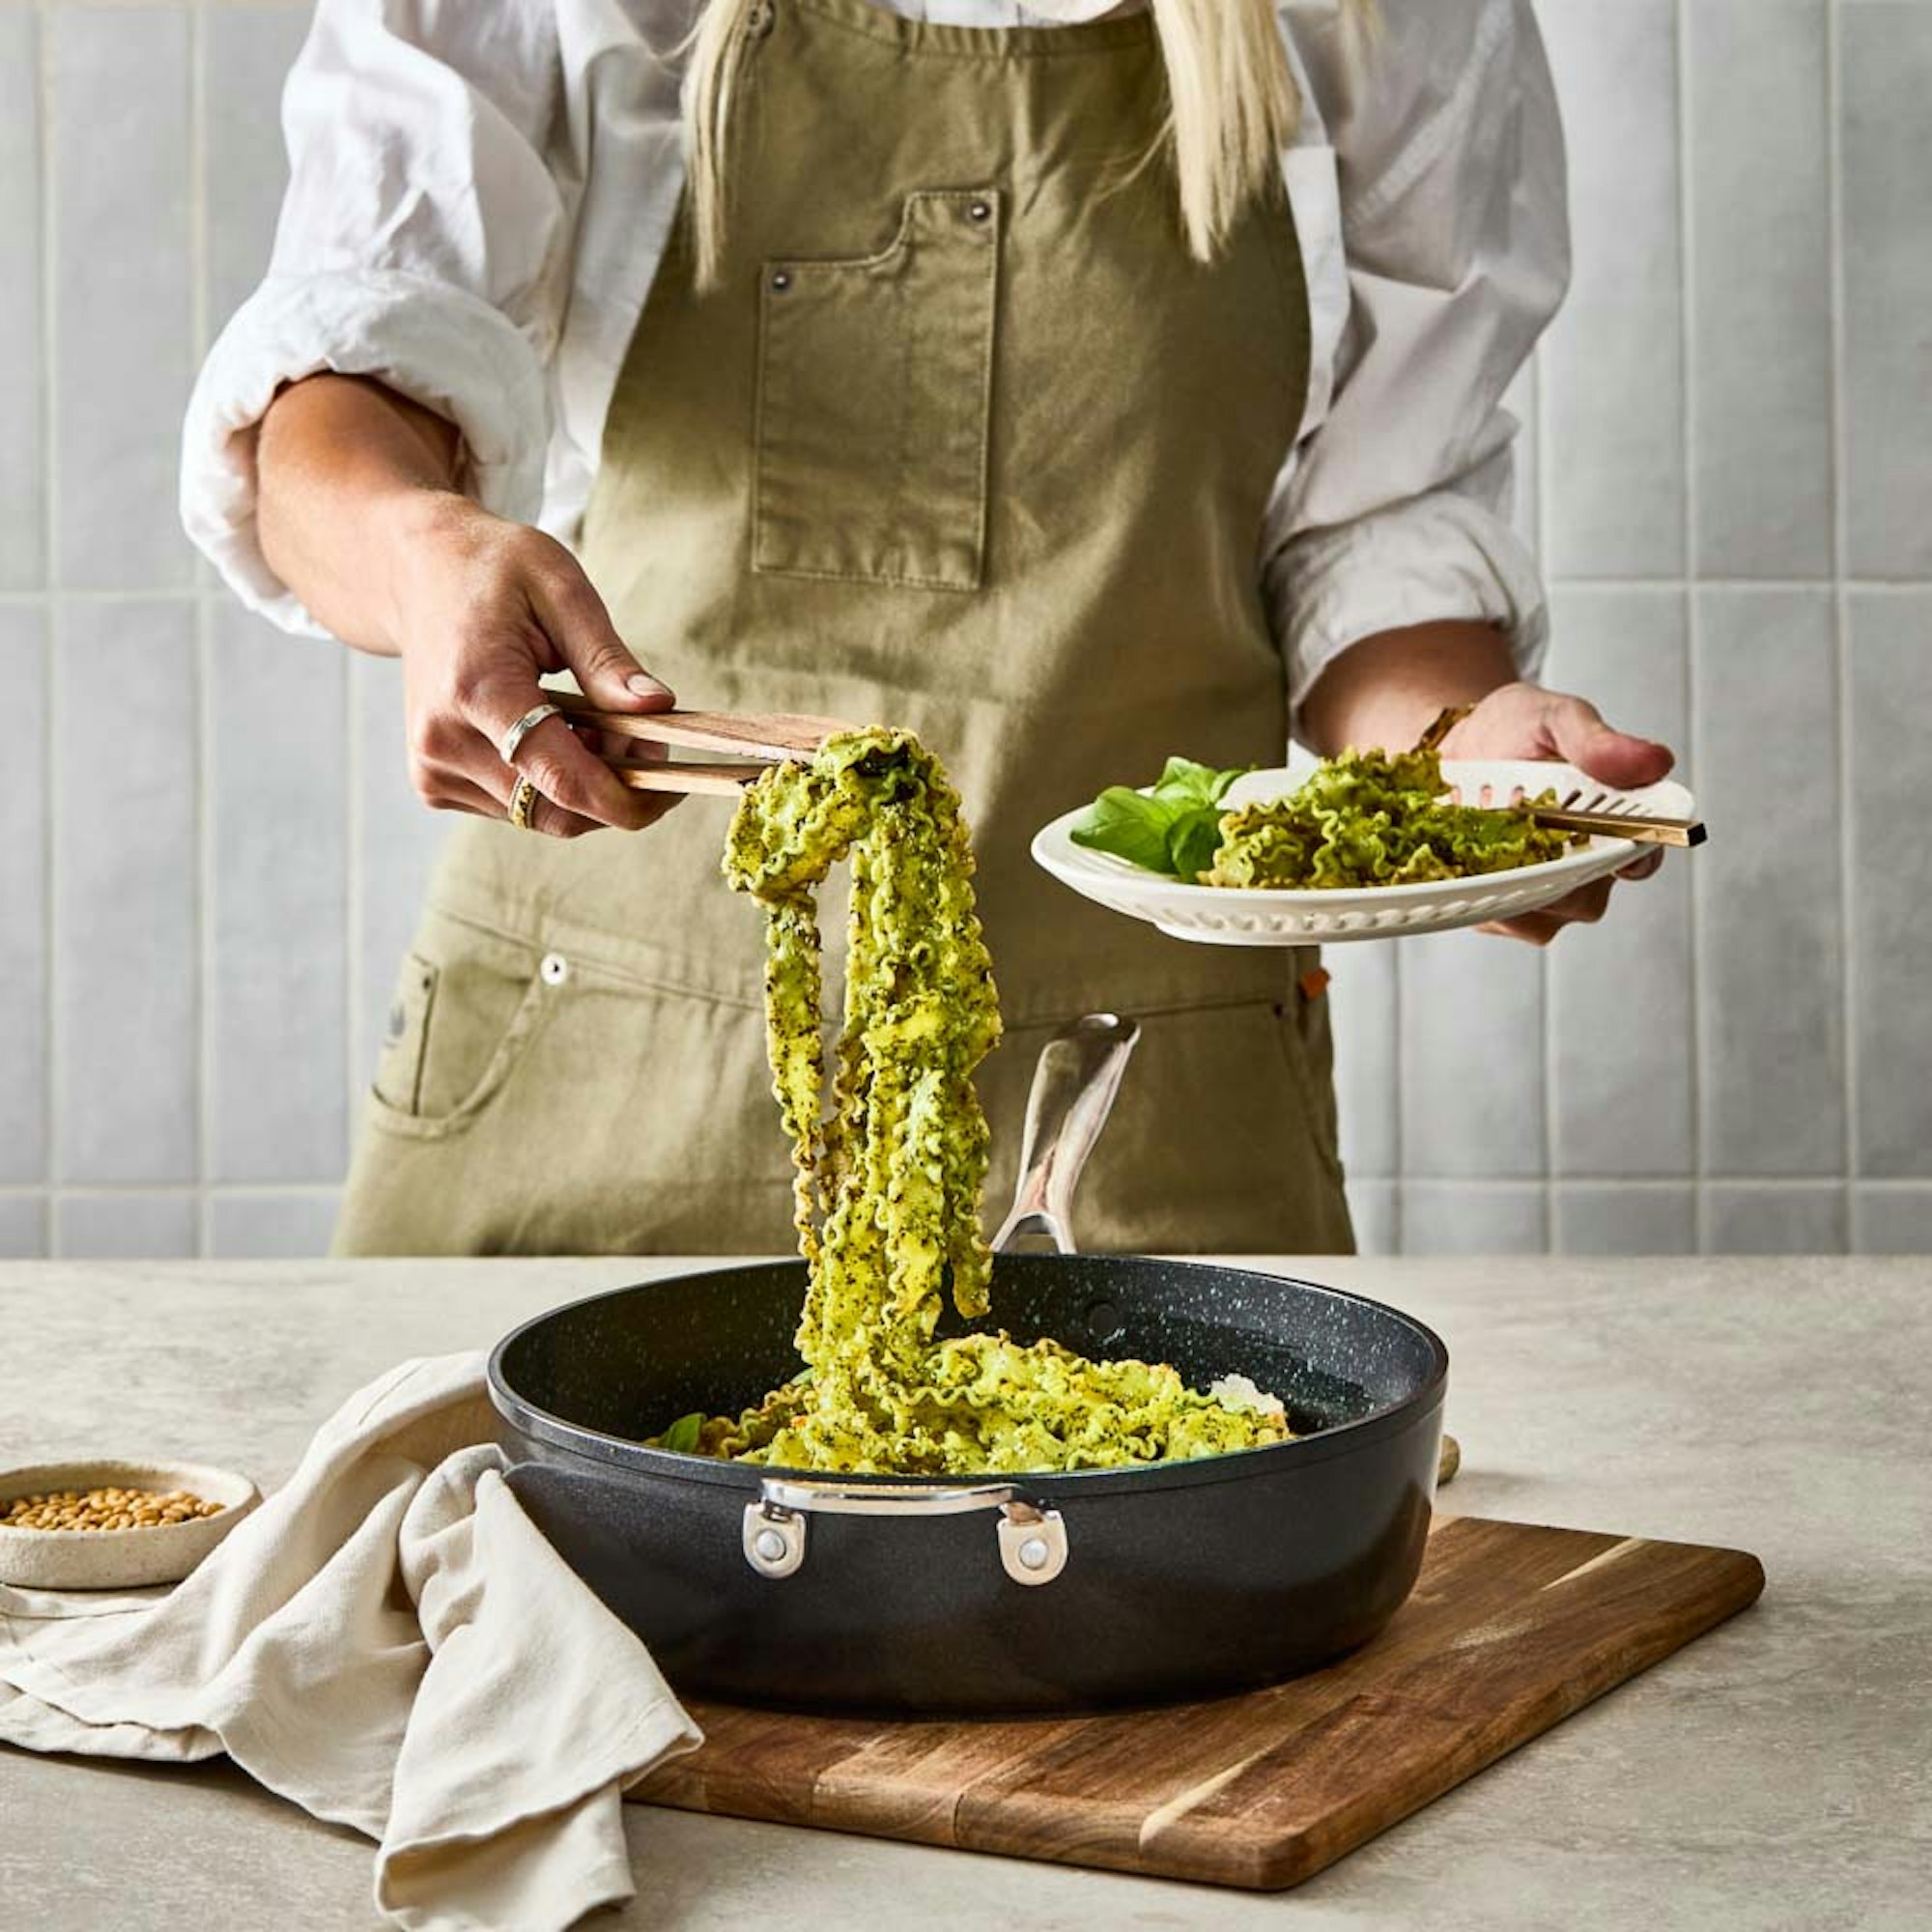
(389, 1642)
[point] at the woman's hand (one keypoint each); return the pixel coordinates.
(360, 516)
(481, 609)
(1523, 721)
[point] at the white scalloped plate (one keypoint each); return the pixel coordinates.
(1230, 915)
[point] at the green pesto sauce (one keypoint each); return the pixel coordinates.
(892, 1160)
(1373, 819)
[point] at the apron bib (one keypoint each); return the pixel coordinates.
(963, 442)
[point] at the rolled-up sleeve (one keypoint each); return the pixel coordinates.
(423, 241)
(1394, 509)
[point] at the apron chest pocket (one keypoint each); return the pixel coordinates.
(875, 386)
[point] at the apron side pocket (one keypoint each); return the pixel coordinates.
(874, 391)
(457, 1030)
(398, 1080)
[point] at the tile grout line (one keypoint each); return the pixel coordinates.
(1835, 205)
(204, 654)
(1692, 612)
(50, 643)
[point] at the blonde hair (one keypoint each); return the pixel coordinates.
(1233, 106)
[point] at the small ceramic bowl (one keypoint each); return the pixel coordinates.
(118, 1559)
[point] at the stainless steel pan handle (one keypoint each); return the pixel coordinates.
(1031, 1538)
(1073, 1089)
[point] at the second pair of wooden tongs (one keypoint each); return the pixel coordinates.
(1583, 807)
(753, 740)
(1611, 812)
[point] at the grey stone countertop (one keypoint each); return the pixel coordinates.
(1773, 1775)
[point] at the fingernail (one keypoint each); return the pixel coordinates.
(646, 687)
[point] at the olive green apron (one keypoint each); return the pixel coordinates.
(964, 442)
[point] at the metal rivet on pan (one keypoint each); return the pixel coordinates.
(781, 281)
(980, 211)
(555, 969)
(1034, 1553)
(770, 1545)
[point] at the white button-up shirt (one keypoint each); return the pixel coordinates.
(479, 197)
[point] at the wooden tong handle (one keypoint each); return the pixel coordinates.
(1638, 827)
(724, 781)
(771, 735)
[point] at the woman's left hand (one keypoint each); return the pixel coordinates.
(1523, 721)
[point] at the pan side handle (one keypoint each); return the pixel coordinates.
(1073, 1088)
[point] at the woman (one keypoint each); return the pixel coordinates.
(1073, 385)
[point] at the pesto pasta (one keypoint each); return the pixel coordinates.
(1375, 818)
(890, 1158)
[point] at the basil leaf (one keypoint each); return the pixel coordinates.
(1193, 840)
(1183, 781)
(681, 1437)
(1223, 781)
(1127, 825)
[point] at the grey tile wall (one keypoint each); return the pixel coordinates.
(1620, 1020)
(1771, 997)
(1760, 286)
(122, 349)
(1885, 64)
(123, 1225)
(268, 1226)
(127, 895)
(1614, 376)
(1623, 1217)
(23, 1227)
(23, 473)
(1892, 1220)
(278, 1011)
(1725, 467)
(244, 54)
(1798, 1217)
(24, 938)
(1889, 680)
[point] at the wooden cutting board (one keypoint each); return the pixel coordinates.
(1510, 1630)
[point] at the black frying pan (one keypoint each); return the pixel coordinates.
(1022, 1593)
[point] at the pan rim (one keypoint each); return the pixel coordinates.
(624, 1453)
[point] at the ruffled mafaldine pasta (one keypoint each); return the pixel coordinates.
(888, 1174)
(1376, 818)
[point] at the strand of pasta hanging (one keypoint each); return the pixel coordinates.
(888, 1176)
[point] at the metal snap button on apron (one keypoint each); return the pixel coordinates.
(980, 209)
(555, 970)
(781, 281)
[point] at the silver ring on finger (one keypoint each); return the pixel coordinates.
(514, 737)
(523, 805)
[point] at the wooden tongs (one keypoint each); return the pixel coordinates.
(1581, 810)
(756, 740)
(1610, 813)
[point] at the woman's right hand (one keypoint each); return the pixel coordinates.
(481, 608)
(359, 517)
